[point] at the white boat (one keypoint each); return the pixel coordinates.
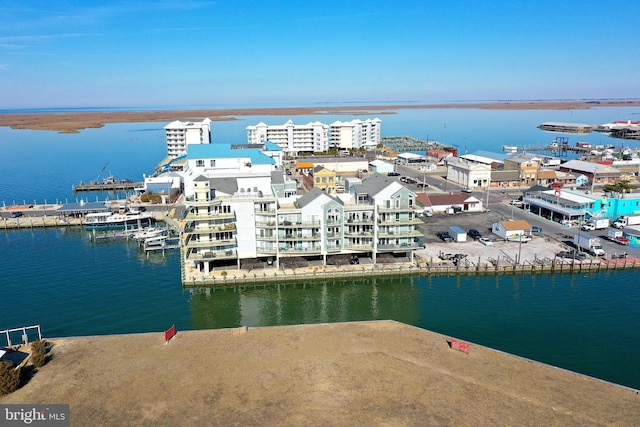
(509, 148)
(149, 232)
(124, 218)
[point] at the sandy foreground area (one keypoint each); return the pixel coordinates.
(347, 374)
(75, 121)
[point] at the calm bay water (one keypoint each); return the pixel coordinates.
(61, 280)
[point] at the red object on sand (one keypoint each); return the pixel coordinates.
(169, 333)
(460, 346)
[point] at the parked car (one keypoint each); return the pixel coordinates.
(410, 181)
(474, 234)
(362, 171)
(572, 254)
(466, 190)
(620, 240)
(535, 229)
(16, 214)
(393, 174)
(421, 185)
(485, 241)
(445, 236)
(516, 202)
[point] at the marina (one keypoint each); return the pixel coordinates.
(123, 218)
(594, 302)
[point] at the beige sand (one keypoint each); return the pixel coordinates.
(73, 122)
(351, 374)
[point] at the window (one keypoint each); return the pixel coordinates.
(212, 163)
(200, 163)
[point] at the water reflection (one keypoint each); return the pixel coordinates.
(307, 302)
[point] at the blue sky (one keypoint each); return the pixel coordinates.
(156, 53)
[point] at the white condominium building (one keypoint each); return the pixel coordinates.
(293, 139)
(180, 134)
(355, 134)
(377, 220)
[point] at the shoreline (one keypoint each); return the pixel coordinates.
(390, 373)
(74, 122)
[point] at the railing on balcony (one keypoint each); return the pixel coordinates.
(395, 209)
(400, 221)
(348, 233)
(400, 234)
(298, 224)
(284, 250)
(192, 216)
(212, 255)
(209, 243)
(203, 228)
(358, 246)
(298, 236)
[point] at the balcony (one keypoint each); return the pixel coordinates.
(298, 236)
(296, 250)
(368, 220)
(212, 255)
(268, 212)
(266, 238)
(203, 228)
(298, 224)
(203, 216)
(358, 246)
(358, 234)
(209, 243)
(396, 210)
(401, 221)
(399, 234)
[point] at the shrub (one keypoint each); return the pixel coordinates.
(9, 378)
(39, 353)
(39, 346)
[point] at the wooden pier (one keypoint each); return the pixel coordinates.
(112, 186)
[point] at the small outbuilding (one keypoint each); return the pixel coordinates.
(512, 229)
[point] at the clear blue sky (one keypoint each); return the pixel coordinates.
(195, 52)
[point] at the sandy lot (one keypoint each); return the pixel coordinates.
(350, 374)
(73, 122)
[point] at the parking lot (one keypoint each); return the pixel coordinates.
(553, 239)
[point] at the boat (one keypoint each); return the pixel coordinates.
(149, 232)
(509, 148)
(123, 218)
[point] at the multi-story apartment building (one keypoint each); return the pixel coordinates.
(378, 218)
(248, 170)
(181, 134)
(317, 137)
(355, 134)
(293, 139)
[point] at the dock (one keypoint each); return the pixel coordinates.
(107, 186)
(567, 127)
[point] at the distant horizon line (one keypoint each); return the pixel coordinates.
(164, 107)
